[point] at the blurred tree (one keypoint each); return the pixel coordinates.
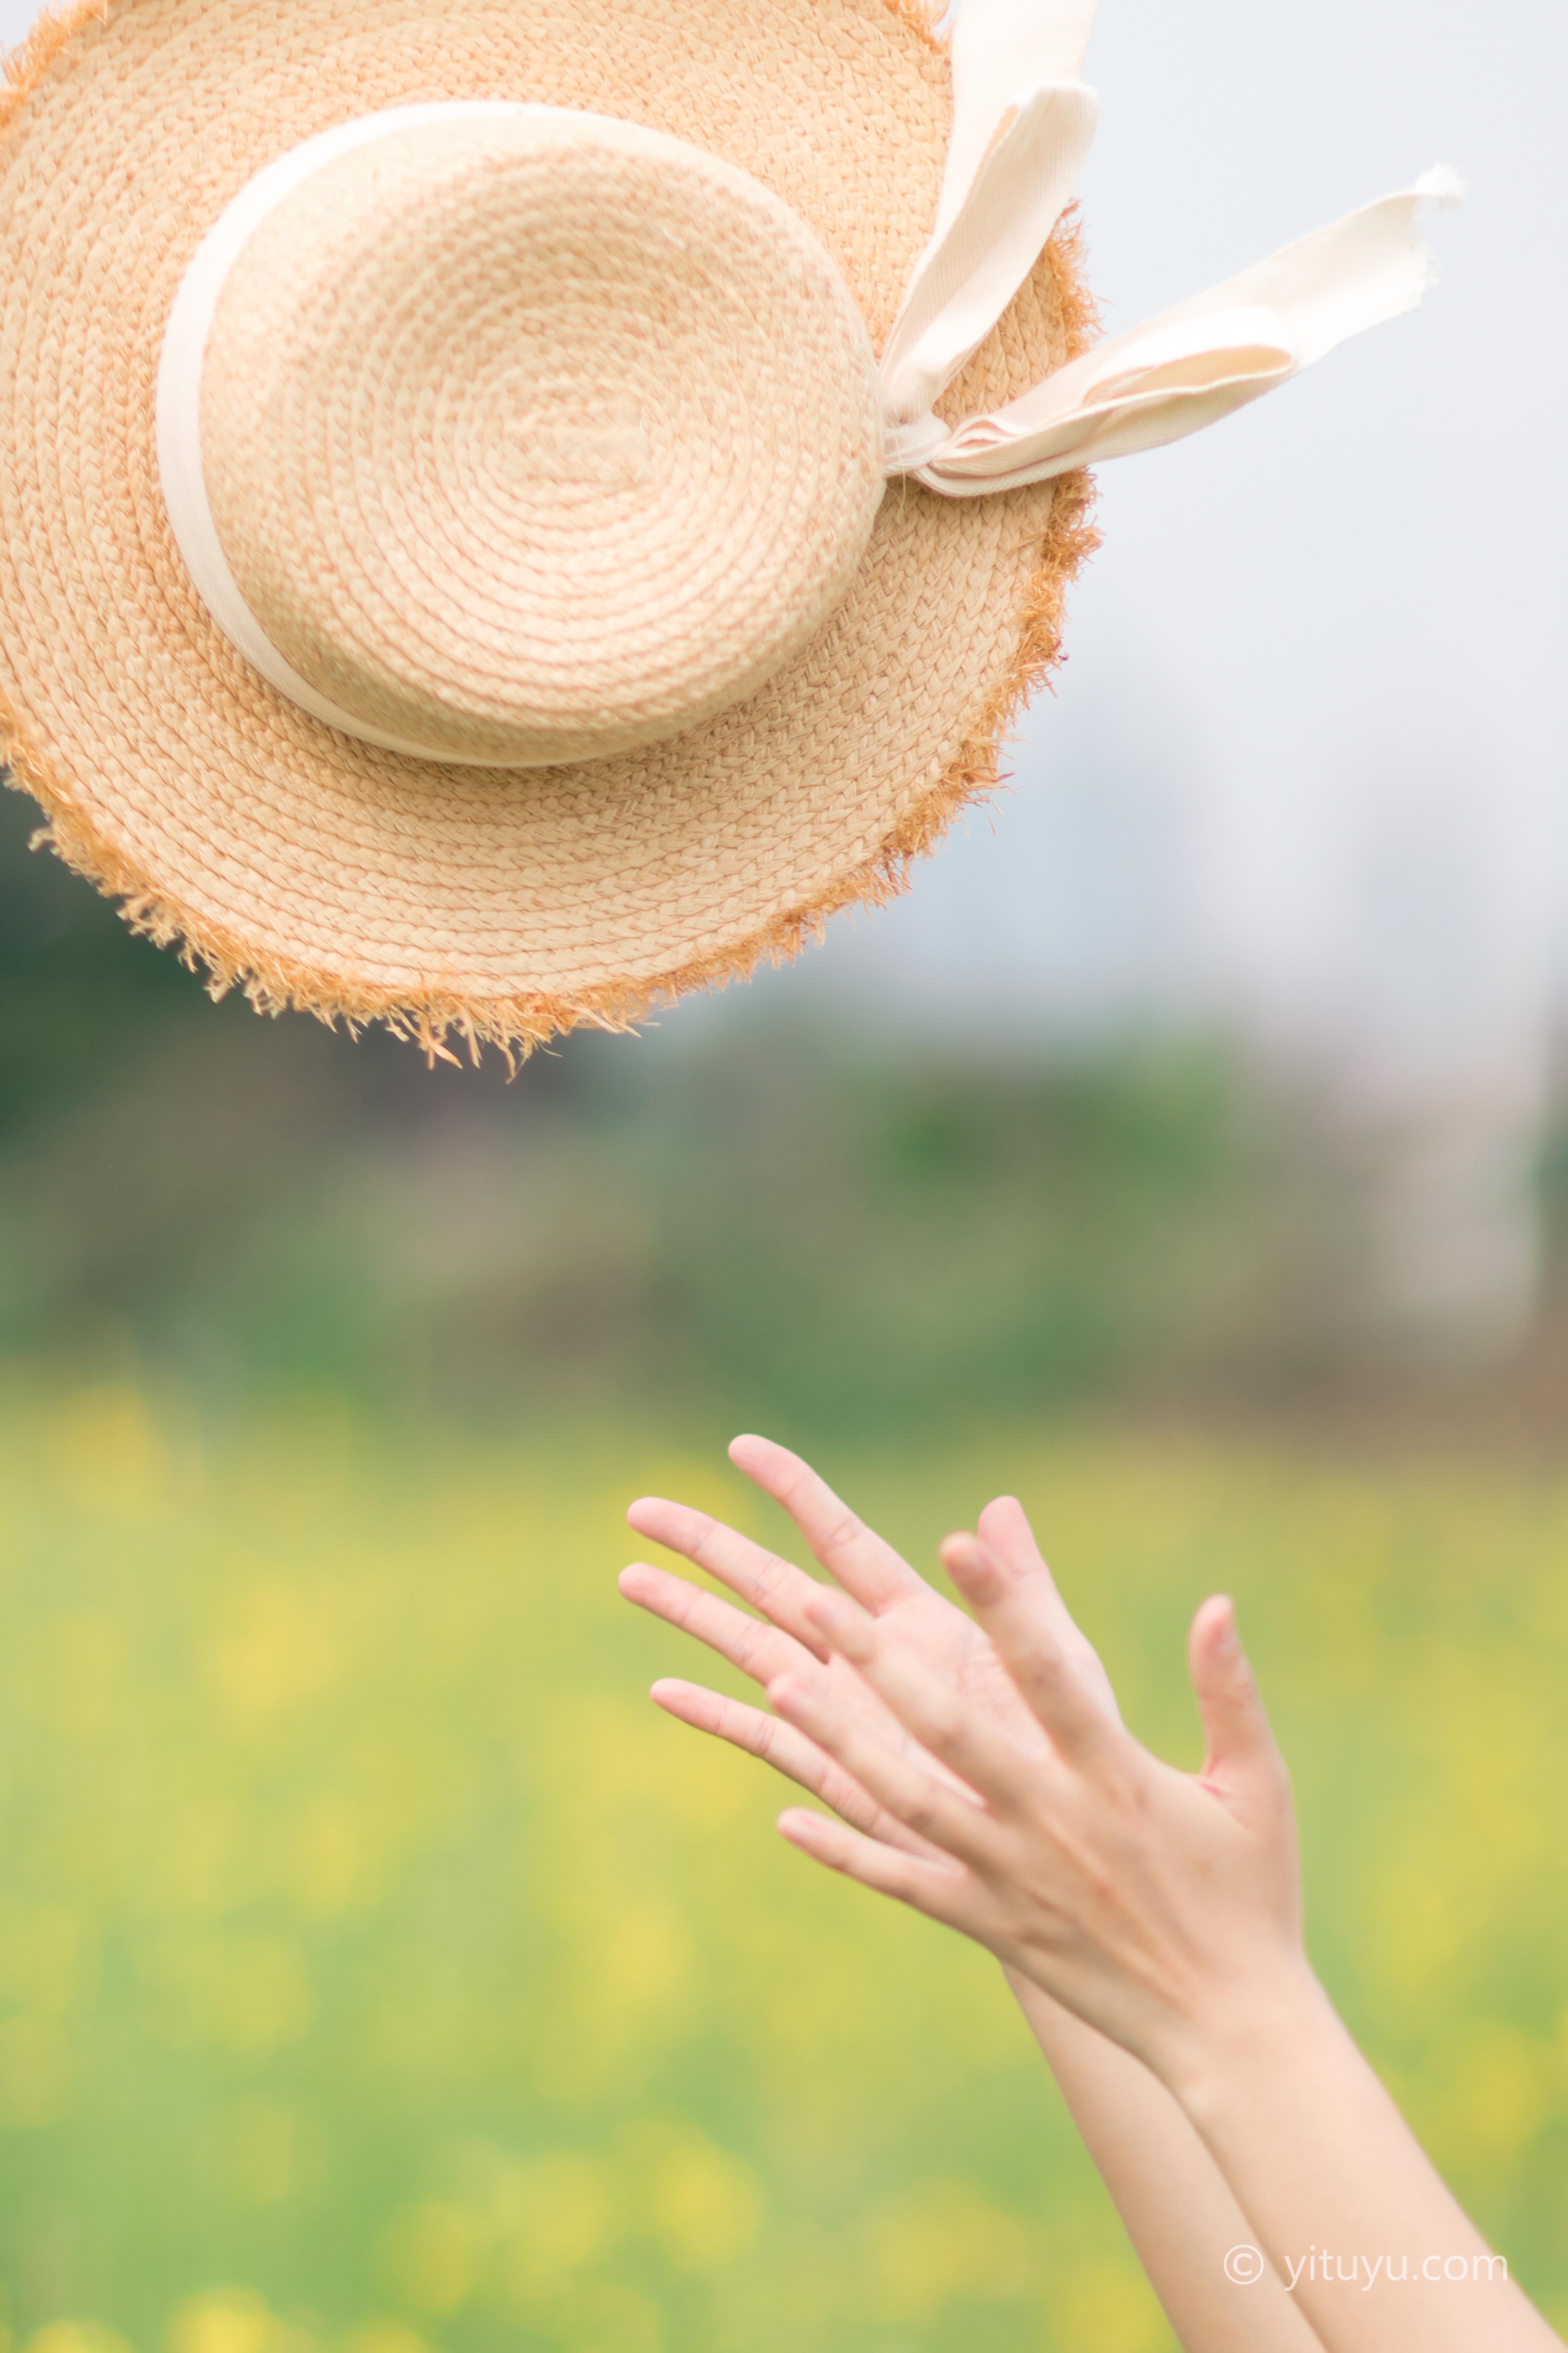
(77, 986)
(769, 1219)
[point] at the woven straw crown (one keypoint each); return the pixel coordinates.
(507, 514)
(532, 437)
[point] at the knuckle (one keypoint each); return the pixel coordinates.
(924, 1814)
(944, 1724)
(701, 1530)
(1100, 1886)
(842, 1533)
(1047, 1664)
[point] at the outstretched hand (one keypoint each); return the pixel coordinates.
(979, 1768)
(786, 1643)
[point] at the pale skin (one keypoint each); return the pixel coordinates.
(1148, 1920)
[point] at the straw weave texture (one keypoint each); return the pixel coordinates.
(506, 905)
(535, 440)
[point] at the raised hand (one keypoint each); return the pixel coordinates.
(1179, 2213)
(979, 1767)
(784, 1642)
(1158, 1905)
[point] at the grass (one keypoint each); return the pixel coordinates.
(378, 1971)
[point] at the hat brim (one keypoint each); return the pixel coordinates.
(312, 870)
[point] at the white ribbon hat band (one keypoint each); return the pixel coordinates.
(1023, 124)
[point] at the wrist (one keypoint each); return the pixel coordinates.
(1248, 2036)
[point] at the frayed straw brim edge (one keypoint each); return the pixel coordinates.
(515, 1026)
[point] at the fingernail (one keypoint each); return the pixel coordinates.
(967, 1559)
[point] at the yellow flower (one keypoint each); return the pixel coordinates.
(230, 2320)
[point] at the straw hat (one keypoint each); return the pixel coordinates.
(507, 512)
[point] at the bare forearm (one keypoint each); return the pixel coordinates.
(1178, 2210)
(1340, 2195)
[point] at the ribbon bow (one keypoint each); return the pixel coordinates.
(1022, 124)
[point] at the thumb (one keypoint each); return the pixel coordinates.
(1242, 1757)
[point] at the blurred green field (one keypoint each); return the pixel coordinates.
(379, 1971)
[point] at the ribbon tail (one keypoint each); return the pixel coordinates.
(1022, 126)
(999, 51)
(972, 268)
(1204, 358)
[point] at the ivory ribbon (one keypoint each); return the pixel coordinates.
(1022, 124)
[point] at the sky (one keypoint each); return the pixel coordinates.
(1305, 766)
